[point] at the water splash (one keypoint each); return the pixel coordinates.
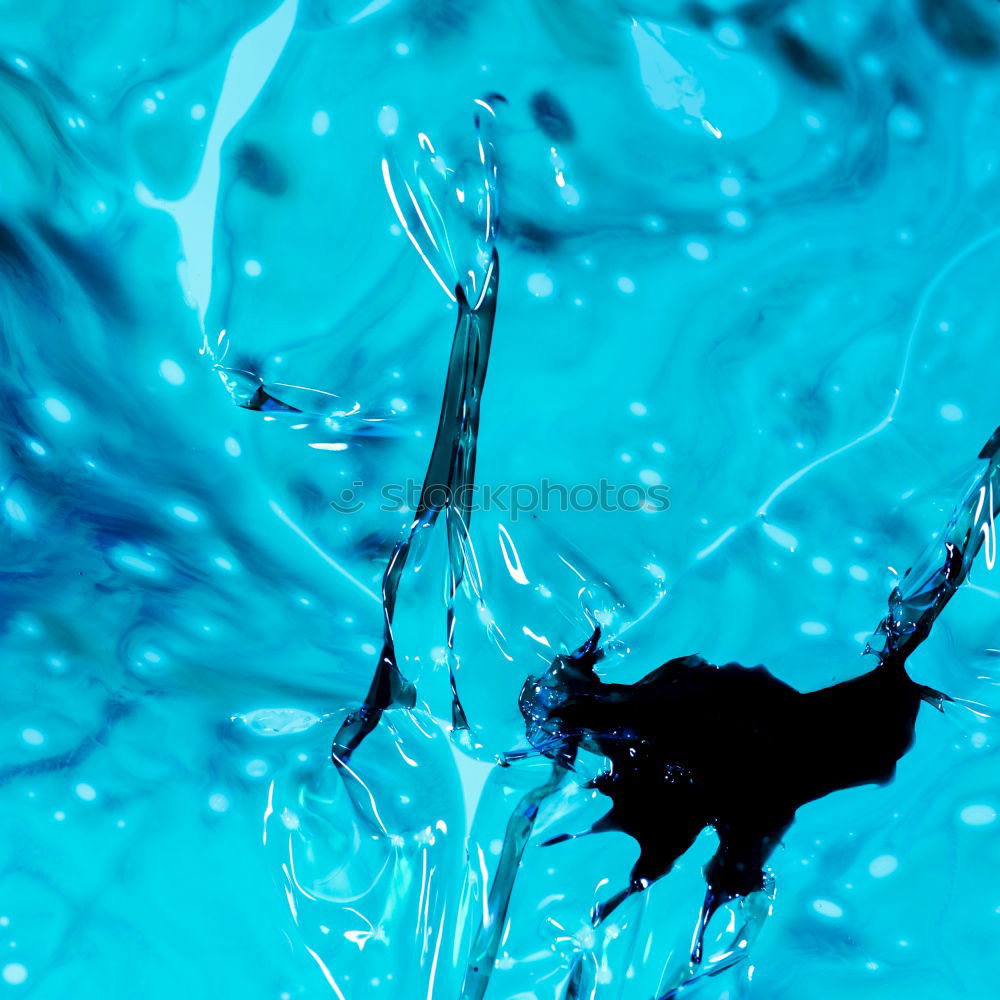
(693, 745)
(450, 476)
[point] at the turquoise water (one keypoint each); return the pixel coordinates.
(748, 252)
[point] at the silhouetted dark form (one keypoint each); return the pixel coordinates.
(693, 745)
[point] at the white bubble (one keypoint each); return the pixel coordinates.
(86, 792)
(729, 34)
(218, 802)
(978, 815)
(320, 123)
(540, 285)
(402, 49)
(822, 565)
(233, 447)
(388, 120)
(256, 768)
(736, 219)
(951, 412)
(626, 285)
(253, 268)
(730, 186)
(813, 628)
(198, 112)
(14, 973)
(185, 514)
(570, 195)
(149, 105)
(399, 405)
(33, 737)
(696, 250)
(279, 721)
(638, 409)
(826, 908)
(905, 123)
(650, 477)
(858, 573)
(368, 649)
(58, 410)
(172, 372)
(883, 865)
(15, 511)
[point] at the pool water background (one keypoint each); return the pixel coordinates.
(715, 313)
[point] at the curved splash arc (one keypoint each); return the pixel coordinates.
(671, 739)
(932, 581)
(449, 481)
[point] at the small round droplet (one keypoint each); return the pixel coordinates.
(58, 410)
(540, 285)
(951, 412)
(320, 123)
(256, 768)
(14, 973)
(172, 372)
(978, 815)
(883, 865)
(905, 123)
(388, 120)
(697, 251)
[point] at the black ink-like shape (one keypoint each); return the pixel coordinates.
(692, 745)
